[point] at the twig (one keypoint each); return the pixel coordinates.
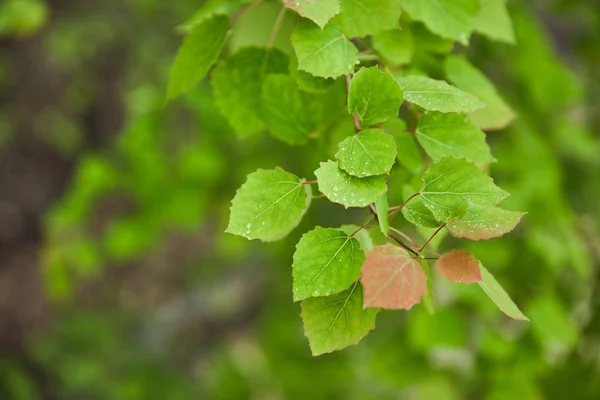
(276, 27)
(244, 10)
(403, 245)
(432, 236)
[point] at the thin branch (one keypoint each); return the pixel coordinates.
(397, 209)
(403, 245)
(354, 116)
(308, 182)
(405, 236)
(432, 236)
(400, 130)
(360, 228)
(276, 27)
(244, 10)
(320, 196)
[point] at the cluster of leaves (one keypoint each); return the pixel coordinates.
(363, 56)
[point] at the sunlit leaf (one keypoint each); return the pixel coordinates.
(199, 51)
(340, 187)
(484, 222)
(320, 11)
(367, 17)
(374, 96)
(494, 22)
(392, 279)
(459, 266)
(368, 153)
(326, 262)
(337, 321)
(268, 205)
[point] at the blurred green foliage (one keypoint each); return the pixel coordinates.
(153, 301)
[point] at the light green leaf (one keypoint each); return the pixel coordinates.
(308, 82)
(288, 112)
(452, 134)
(416, 213)
(452, 19)
(381, 207)
(484, 222)
(334, 322)
(494, 22)
(395, 46)
(326, 261)
(323, 52)
(368, 153)
(436, 95)
(211, 8)
(199, 51)
(237, 84)
(498, 295)
(363, 236)
(496, 114)
(453, 184)
(318, 11)
(374, 96)
(367, 17)
(347, 190)
(269, 205)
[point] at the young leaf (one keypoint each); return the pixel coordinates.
(374, 96)
(435, 95)
(199, 51)
(288, 112)
(496, 114)
(494, 22)
(340, 187)
(453, 184)
(395, 46)
(484, 222)
(326, 261)
(363, 237)
(381, 207)
(334, 322)
(237, 83)
(459, 266)
(360, 18)
(308, 82)
(453, 19)
(416, 213)
(268, 205)
(368, 153)
(320, 12)
(392, 279)
(323, 52)
(498, 295)
(452, 134)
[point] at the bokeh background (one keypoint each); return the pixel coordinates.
(117, 281)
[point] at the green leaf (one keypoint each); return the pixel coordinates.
(428, 41)
(436, 95)
(308, 82)
(374, 96)
(334, 322)
(416, 213)
(392, 278)
(381, 207)
(326, 261)
(409, 154)
(453, 184)
(347, 190)
(498, 295)
(496, 114)
(363, 237)
(323, 52)
(199, 51)
(484, 222)
(288, 112)
(368, 153)
(452, 19)
(396, 46)
(360, 18)
(452, 134)
(494, 22)
(269, 205)
(318, 11)
(212, 8)
(237, 84)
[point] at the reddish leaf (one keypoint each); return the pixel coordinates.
(459, 267)
(392, 279)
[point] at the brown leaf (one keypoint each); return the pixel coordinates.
(459, 266)
(392, 279)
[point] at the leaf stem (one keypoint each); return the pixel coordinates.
(432, 236)
(276, 27)
(320, 196)
(395, 210)
(400, 130)
(403, 245)
(405, 236)
(244, 10)
(309, 182)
